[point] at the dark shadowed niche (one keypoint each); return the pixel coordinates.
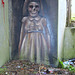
(49, 10)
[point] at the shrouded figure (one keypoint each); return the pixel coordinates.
(34, 42)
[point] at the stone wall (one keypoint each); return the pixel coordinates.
(61, 26)
(4, 32)
(69, 43)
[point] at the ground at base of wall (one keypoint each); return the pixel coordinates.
(25, 67)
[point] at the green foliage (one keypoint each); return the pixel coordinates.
(2, 70)
(35, 72)
(73, 17)
(69, 67)
(60, 65)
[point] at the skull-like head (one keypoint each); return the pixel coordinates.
(33, 9)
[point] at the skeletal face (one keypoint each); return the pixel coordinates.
(33, 9)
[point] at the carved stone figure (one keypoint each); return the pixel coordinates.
(34, 42)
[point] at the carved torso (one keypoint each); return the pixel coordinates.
(33, 24)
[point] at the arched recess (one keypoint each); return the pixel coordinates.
(50, 8)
